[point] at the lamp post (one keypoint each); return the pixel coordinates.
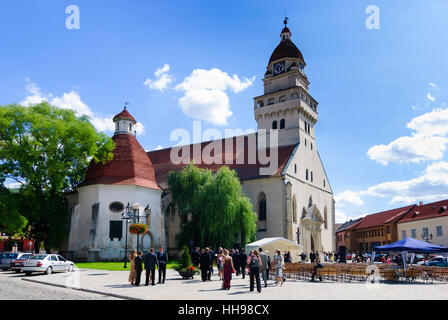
(127, 215)
(427, 237)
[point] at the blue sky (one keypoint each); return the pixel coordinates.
(381, 93)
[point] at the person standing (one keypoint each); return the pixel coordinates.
(236, 262)
(195, 256)
(269, 265)
(162, 257)
(220, 262)
(264, 266)
(212, 261)
(243, 262)
(132, 272)
(228, 270)
(204, 264)
(254, 263)
(312, 256)
(138, 267)
(303, 257)
(150, 265)
(278, 263)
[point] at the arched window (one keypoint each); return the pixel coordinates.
(325, 218)
(282, 124)
(274, 124)
(294, 209)
(261, 207)
(271, 101)
(282, 99)
(310, 201)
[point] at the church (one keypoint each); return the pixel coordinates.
(291, 195)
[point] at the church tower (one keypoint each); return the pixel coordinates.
(286, 105)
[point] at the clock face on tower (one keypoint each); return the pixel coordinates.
(279, 67)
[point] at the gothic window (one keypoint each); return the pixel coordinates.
(274, 124)
(294, 209)
(311, 146)
(311, 176)
(282, 124)
(310, 201)
(94, 221)
(295, 168)
(306, 174)
(262, 207)
(325, 218)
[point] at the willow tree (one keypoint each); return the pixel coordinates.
(46, 150)
(219, 213)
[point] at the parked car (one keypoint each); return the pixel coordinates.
(438, 262)
(47, 263)
(17, 264)
(424, 262)
(7, 259)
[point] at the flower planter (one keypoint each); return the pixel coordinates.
(187, 274)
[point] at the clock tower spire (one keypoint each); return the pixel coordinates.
(286, 104)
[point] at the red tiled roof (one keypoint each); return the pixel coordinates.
(124, 115)
(380, 218)
(246, 171)
(427, 211)
(130, 166)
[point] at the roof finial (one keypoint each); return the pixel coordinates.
(285, 22)
(125, 104)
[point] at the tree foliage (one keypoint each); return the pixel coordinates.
(47, 150)
(220, 214)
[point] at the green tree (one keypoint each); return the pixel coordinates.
(47, 150)
(221, 214)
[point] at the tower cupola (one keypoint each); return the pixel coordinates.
(124, 123)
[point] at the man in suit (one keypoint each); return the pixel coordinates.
(195, 256)
(162, 257)
(236, 262)
(150, 265)
(204, 264)
(264, 266)
(138, 267)
(243, 262)
(212, 260)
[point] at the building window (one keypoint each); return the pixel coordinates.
(425, 233)
(325, 218)
(306, 174)
(282, 124)
(282, 99)
(311, 146)
(262, 207)
(388, 229)
(439, 231)
(274, 124)
(311, 176)
(294, 209)
(271, 101)
(324, 183)
(414, 233)
(94, 221)
(305, 142)
(295, 168)
(116, 230)
(403, 234)
(116, 207)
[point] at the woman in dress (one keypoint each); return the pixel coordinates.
(133, 272)
(278, 263)
(220, 263)
(228, 270)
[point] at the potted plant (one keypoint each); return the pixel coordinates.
(185, 267)
(138, 228)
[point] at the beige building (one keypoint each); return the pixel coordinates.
(427, 222)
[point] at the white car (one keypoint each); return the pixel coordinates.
(47, 263)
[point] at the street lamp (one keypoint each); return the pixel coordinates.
(427, 237)
(126, 216)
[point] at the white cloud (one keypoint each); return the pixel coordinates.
(205, 94)
(432, 84)
(163, 79)
(159, 147)
(72, 100)
(430, 97)
(342, 217)
(348, 197)
(427, 141)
